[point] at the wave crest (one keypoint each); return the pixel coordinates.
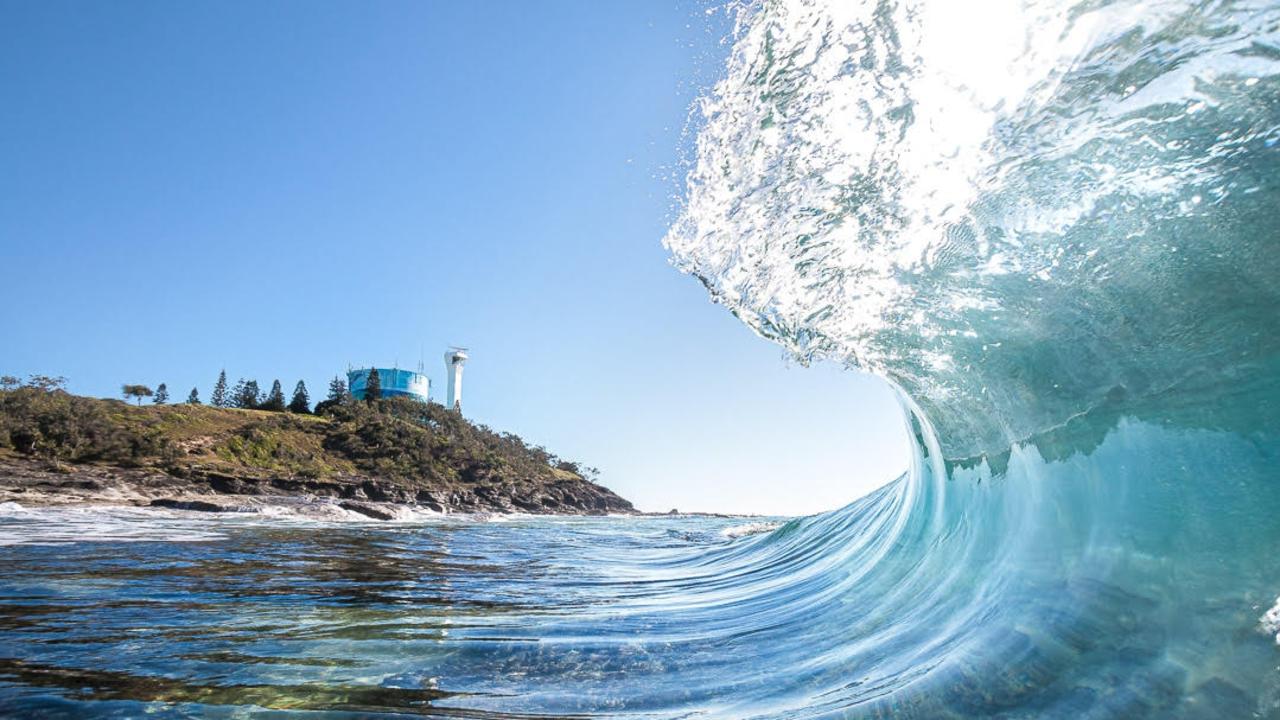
(1020, 215)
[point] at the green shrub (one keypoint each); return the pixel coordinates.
(58, 425)
(404, 438)
(393, 438)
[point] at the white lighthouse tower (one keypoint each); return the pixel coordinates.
(453, 362)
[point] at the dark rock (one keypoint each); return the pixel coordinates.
(531, 505)
(374, 492)
(197, 505)
(226, 484)
(368, 510)
(28, 479)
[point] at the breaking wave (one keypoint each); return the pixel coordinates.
(1052, 226)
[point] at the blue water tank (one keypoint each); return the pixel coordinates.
(393, 381)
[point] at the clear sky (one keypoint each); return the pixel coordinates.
(286, 188)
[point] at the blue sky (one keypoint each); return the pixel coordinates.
(284, 189)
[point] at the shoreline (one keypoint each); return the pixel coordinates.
(32, 483)
(372, 457)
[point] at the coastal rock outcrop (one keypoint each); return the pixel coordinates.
(34, 482)
(57, 448)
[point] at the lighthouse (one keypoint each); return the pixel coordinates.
(453, 362)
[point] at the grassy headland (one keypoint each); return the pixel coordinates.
(392, 450)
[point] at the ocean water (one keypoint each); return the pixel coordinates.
(1052, 227)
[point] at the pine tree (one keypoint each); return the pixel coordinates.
(194, 397)
(301, 402)
(252, 395)
(337, 390)
(162, 394)
(246, 394)
(275, 399)
(219, 398)
(235, 394)
(373, 387)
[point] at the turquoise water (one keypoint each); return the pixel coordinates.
(1050, 226)
(1098, 586)
(1053, 227)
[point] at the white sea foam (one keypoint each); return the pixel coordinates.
(755, 528)
(122, 523)
(67, 525)
(1270, 621)
(904, 186)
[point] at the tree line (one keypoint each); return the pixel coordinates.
(247, 395)
(39, 417)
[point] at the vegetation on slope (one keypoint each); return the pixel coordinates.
(399, 440)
